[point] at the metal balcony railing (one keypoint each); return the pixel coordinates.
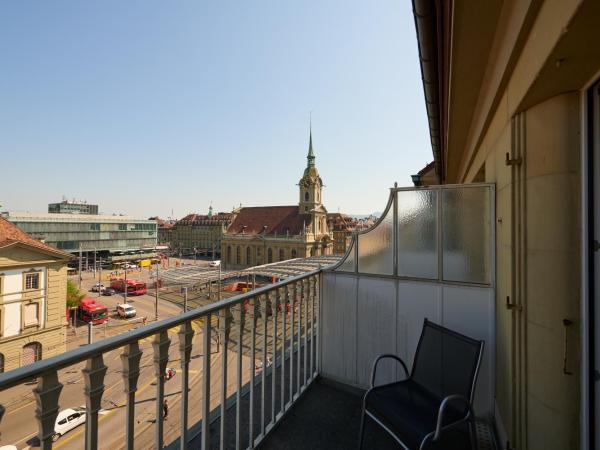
(276, 326)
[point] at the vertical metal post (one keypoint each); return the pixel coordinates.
(80, 265)
(263, 387)
(274, 297)
(223, 338)
(93, 375)
(219, 296)
(156, 285)
(99, 275)
(312, 325)
(239, 319)
(206, 383)
(130, 359)
(284, 297)
(185, 299)
(46, 395)
(305, 296)
(292, 300)
(90, 332)
(253, 307)
(125, 285)
(299, 335)
(186, 334)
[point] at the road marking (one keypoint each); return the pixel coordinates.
(104, 416)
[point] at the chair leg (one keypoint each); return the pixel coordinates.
(362, 428)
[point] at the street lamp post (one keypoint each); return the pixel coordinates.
(156, 294)
(219, 297)
(185, 298)
(80, 265)
(125, 284)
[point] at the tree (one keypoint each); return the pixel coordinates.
(74, 295)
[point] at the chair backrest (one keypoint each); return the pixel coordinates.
(446, 362)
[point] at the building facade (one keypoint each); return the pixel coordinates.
(33, 289)
(72, 207)
(201, 234)
(111, 238)
(512, 91)
(341, 226)
(165, 228)
(267, 234)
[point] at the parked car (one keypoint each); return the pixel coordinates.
(126, 311)
(216, 263)
(68, 419)
(109, 291)
(97, 287)
(130, 266)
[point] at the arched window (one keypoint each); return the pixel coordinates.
(281, 254)
(238, 255)
(228, 253)
(306, 196)
(270, 255)
(294, 253)
(1, 363)
(32, 352)
(248, 257)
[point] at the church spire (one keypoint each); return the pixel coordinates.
(311, 153)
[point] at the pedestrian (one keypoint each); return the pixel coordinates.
(165, 409)
(144, 320)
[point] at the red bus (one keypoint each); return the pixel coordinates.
(134, 287)
(91, 311)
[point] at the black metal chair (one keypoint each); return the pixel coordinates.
(432, 407)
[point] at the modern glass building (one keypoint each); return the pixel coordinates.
(110, 237)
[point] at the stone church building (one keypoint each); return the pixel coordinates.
(266, 234)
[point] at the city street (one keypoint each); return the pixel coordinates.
(18, 428)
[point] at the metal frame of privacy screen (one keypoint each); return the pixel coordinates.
(435, 233)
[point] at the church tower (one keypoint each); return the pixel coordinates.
(310, 187)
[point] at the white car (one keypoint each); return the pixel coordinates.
(130, 266)
(126, 311)
(216, 263)
(68, 419)
(97, 287)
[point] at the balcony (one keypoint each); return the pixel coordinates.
(282, 366)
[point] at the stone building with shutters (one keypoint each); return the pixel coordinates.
(33, 287)
(266, 234)
(201, 234)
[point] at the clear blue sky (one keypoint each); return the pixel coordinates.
(147, 106)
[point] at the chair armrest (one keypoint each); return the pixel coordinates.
(384, 356)
(440, 419)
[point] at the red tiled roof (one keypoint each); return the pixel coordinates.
(340, 222)
(219, 216)
(10, 234)
(277, 219)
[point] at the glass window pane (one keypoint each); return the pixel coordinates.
(348, 264)
(375, 248)
(417, 234)
(466, 227)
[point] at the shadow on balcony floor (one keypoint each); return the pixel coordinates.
(327, 417)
